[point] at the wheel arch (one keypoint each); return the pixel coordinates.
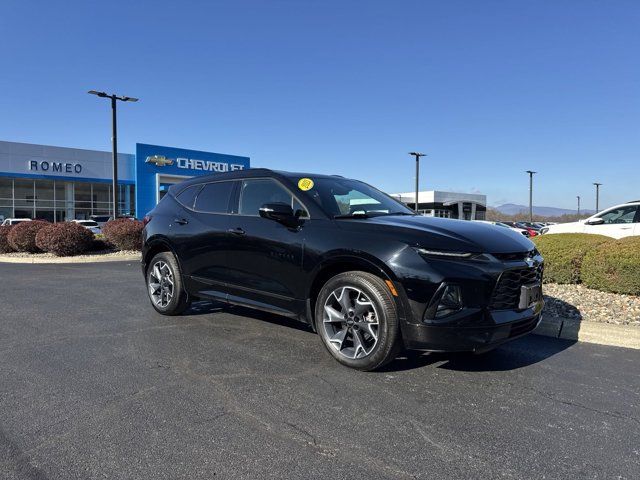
(155, 246)
(346, 263)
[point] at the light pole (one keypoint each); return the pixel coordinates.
(597, 196)
(417, 155)
(531, 173)
(114, 141)
(578, 197)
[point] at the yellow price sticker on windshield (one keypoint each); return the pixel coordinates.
(305, 184)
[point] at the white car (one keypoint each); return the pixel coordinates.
(504, 225)
(14, 221)
(617, 222)
(89, 225)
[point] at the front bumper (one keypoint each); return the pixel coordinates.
(507, 325)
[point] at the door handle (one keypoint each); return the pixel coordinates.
(236, 231)
(181, 221)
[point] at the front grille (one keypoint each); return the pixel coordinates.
(518, 256)
(506, 295)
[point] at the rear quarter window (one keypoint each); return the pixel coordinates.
(187, 196)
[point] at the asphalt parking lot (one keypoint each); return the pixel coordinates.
(95, 384)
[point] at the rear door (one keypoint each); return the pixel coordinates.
(265, 261)
(200, 234)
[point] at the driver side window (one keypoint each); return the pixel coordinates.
(620, 215)
(256, 192)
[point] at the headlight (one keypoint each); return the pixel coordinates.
(446, 254)
(443, 253)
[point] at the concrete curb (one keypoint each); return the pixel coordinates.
(592, 332)
(79, 259)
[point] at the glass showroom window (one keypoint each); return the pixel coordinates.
(24, 194)
(44, 200)
(126, 202)
(82, 200)
(101, 199)
(6, 198)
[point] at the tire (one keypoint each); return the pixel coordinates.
(356, 341)
(165, 286)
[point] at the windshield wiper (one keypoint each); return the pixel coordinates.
(352, 215)
(372, 214)
(401, 213)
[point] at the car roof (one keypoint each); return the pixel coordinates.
(248, 173)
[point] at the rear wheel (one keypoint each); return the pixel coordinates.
(356, 318)
(165, 285)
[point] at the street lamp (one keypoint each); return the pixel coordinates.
(597, 196)
(578, 197)
(531, 173)
(417, 155)
(114, 141)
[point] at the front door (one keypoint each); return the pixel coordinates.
(265, 261)
(618, 222)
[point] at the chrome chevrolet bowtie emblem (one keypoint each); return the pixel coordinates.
(159, 160)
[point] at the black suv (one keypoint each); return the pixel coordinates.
(368, 274)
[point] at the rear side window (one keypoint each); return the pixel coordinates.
(187, 196)
(214, 197)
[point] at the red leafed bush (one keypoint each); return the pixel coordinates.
(64, 239)
(124, 233)
(22, 237)
(4, 240)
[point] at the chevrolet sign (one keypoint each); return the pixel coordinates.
(159, 160)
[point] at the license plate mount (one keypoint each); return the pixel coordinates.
(530, 295)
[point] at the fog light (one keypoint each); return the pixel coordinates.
(447, 300)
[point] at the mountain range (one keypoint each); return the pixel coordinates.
(512, 209)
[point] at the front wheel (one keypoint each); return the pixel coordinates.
(357, 319)
(165, 285)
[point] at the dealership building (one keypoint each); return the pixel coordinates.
(59, 183)
(463, 206)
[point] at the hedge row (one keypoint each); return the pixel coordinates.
(22, 237)
(563, 254)
(4, 239)
(614, 267)
(124, 233)
(69, 238)
(64, 239)
(596, 261)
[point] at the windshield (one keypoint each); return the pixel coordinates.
(343, 198)
(89, 223)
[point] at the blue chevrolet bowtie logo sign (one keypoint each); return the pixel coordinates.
(159, 160)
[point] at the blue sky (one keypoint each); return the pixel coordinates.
(488, 89)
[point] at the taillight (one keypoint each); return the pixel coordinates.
(146, 219)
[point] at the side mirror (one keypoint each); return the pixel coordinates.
(595, 221)
(280, 212)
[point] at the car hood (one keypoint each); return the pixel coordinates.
(455, 235)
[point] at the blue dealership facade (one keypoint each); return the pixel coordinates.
(60, 183)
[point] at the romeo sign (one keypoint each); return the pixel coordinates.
(54, 167)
